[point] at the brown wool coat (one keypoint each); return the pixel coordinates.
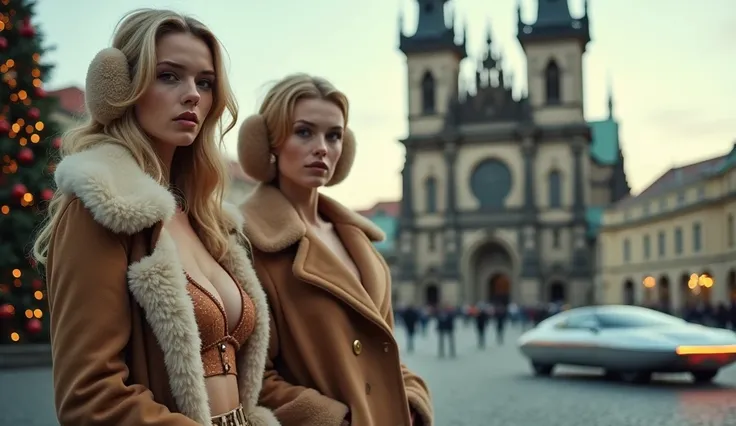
(124, 339)
(332, 346)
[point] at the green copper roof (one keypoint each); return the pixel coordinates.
(388, 226)
(729, 162)
(604, 148)
(594, 217)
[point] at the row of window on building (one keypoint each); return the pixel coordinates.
(679, 241)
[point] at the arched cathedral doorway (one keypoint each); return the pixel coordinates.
(492, 274)
(432, 295)
(499, 289)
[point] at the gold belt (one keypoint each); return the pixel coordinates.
(234, 417)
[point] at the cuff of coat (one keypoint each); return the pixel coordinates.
(312, 409)
(260, 416)
(421, 405)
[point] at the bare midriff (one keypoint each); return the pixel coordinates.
(223, 393)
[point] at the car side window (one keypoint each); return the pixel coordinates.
(579, 321)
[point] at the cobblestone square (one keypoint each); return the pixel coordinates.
(485, 388)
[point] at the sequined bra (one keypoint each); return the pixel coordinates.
(219, 346)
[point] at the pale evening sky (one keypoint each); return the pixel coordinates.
(671, 63)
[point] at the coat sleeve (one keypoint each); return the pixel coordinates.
(417, 391)
(293, 405)
(90, 317)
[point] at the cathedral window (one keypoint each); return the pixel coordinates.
(491, 183)
(428, 94)
(552, 79)
(430, 188)
(555, 189)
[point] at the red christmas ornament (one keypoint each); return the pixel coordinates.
(26, 28)
(6, 311)
(40, 93)
(47, 194)
(19, 190)
(37, 284)
(34, 113)
(34, 326)
(56, 143)
(3, 43)
(4, 126)
(25, 155)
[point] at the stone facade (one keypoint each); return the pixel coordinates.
(502, 192)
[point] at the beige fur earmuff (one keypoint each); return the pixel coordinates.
(254, 152)
(108, 84)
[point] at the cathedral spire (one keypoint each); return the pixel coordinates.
(554, 21)
(489, 59)
(433, 32)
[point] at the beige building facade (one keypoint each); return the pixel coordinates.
(675, 243)
(498, 185)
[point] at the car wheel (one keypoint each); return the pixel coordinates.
(638, 377)
(542, 369)
(706, 376)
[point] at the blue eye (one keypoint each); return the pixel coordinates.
(335, 137)
(206, 84)
(167, 76)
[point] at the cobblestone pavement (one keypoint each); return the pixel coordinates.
(486, 388)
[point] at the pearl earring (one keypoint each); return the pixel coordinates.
(272, 159)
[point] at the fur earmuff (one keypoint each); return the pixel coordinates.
(254, 152)
(108, 85)
(254, 149)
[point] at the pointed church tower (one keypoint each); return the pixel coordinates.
(554, 45)
(433, 57)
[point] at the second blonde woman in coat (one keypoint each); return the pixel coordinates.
(332, 357)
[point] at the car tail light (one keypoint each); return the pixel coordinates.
(706, 350)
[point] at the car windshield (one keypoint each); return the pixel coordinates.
(635, 318)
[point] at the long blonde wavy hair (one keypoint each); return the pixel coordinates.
(198, 171)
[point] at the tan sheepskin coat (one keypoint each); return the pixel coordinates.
(332, 347)
(125, 344)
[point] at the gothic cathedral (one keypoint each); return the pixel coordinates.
(501, 193)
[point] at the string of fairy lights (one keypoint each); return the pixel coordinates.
(26, 131)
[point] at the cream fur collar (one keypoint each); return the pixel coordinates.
(122, 198)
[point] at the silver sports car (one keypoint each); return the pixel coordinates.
(628, 342)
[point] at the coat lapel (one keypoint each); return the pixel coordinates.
(273, 225)
(125, 200)
(374, 275)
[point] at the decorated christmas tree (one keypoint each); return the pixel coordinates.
(28, 143)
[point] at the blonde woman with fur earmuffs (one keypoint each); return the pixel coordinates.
(332, 357)
(157, 316)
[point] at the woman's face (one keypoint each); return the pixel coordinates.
(172, 110)
(309, 155)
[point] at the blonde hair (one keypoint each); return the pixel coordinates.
(198, 172)
(278, 105)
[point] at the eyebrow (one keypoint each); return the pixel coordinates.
(309, 123)
(182, 67)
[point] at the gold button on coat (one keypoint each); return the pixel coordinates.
(357, 347)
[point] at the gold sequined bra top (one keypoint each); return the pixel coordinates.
(219, 345)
